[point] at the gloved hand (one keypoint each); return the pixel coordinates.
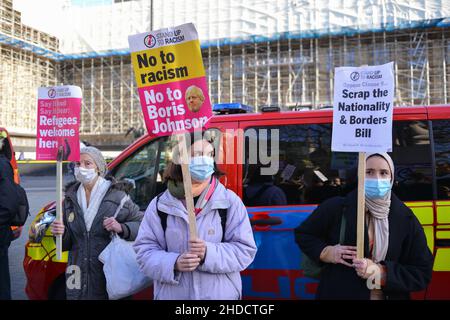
(337, 254)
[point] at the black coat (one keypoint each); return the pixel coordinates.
(84, 247)
(408, 261)
(9, 200)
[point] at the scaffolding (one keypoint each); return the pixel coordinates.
(22, 71)
(300, 72)
(285, 55)
(288, 73)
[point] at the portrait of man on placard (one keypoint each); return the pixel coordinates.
(194, 98)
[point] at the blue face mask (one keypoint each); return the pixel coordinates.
(201, 168)
(377, 188)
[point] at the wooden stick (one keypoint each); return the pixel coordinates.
(187, 186)
(59, 213)
(361, 202)
(361, 205)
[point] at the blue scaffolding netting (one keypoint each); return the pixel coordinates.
(348, 31)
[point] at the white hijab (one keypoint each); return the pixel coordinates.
(97, 194)
(379, 210)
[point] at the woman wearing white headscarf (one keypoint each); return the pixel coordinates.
(396, 260)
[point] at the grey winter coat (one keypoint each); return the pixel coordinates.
(84, 247)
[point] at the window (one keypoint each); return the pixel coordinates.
(309, 173)
(412, 160)
(441, 134)
(144, 169)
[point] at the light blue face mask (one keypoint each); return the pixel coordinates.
(201, 168)
(377, 188)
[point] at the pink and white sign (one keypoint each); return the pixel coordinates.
(173, 108)
(171, 80)
(58, 122)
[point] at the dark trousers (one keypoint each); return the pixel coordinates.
(5, 281)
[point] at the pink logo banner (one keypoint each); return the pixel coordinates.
(58, 122)
(176, 107)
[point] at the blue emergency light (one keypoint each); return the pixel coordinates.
(224, 108)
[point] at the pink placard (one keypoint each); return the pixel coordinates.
(58, 122)
(176, 107)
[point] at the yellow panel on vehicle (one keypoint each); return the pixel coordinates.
(424, 214)
(64, 257)
(36, 252)
(419, 204)
(443, 203)
(443, 227)
(443, 235)
(429, 233)
(443, 214)
(50, 246)
(442, 260)
(45, 250)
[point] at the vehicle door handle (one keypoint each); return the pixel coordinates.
(272, 221)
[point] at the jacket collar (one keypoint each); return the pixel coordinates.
(72, 187)
(171, 205)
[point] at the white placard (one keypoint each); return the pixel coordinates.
(59, 92)
(362, 110)
(162, 37)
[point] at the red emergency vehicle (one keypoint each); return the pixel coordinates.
(308, 173)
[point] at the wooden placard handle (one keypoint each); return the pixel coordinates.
(59, 213)
(361, 205)
(187, 185)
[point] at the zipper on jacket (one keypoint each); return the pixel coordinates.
(75, 203)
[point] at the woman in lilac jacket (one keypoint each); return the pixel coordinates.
(206, 267)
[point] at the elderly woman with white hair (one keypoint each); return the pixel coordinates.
(89, 205)
(397, 260)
